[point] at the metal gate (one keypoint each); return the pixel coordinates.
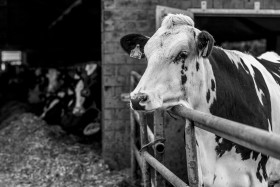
(151, 154)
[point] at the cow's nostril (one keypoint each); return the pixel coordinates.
(144, 98)
(138, 101)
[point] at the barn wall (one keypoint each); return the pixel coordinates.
(119, 18)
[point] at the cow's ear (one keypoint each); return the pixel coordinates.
(134, 44)
(205, 42)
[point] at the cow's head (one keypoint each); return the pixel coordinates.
(175, 73)
(84, 98)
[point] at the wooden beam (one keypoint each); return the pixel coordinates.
(65, 13)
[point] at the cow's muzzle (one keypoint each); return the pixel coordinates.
(139, 101)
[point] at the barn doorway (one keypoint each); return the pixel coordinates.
(253, 31)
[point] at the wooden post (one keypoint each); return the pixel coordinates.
(146, 172)
(159, 147)
(191, 154)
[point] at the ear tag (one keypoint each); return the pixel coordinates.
(136, 52)
(205, 50)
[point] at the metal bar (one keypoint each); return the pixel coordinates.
(256, 139)
(138, 157)
(235, 12)
(146, 173)
(159, 147)
(191, 154)
(133, 166)
(135, 75)
(133, 171)
(151, 136)
(166, 173)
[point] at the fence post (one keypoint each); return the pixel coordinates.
(159, 147)
(133, 163)
(146, 170)
(191, 154)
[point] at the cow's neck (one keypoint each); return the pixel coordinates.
(201, 92)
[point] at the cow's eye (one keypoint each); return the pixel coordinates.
(181, 56)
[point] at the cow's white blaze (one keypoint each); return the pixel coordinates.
(90, 68)
(78, 108)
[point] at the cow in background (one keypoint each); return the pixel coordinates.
(84, 119)
(74, 107)
(184, 68)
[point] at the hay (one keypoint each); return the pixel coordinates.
(35, 154)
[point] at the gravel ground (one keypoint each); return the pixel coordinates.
(33, 154)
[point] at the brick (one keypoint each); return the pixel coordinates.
(114, 58)
(115, 102)
(112, 47)
(107, 15)
(196, 4)
(237, 4)
(115, 148)
(114, 81)
(109, 70)
(108, 4)
(132, 14)
(108, 91)
(116, 124)
(186, 4)
(136, 61)
(277, 4)
(136, 4)
(120, 89)
(108, 25)
(268, 4)
(124, 70)
(146, 25)
(112, 36)
(249, 4)
(209, 3)
(217, 3)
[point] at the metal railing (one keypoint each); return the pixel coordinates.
(259, 140)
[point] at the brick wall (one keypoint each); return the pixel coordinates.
(121, 17)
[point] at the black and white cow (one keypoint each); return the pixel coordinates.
(184, 68)
(88, 99)
(70, 101)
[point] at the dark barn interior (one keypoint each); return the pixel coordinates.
(234, 28)
(51, 54)
(50, 30)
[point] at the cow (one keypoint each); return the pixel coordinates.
(88, 99)
(185, 68)
(87, 90)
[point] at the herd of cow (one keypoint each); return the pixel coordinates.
(69, 97)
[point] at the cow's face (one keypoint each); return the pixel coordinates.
(83, 96)
(174, 55)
